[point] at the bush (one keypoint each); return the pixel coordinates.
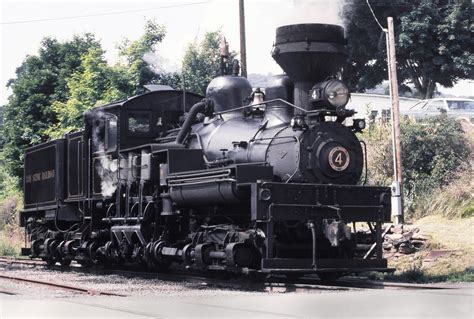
(10, 198)
(435, 154)
(11, 236)
(379, 155)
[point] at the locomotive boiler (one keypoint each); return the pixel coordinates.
(241, 180)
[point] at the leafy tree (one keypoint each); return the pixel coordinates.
(52, 89)
(136, 70)
(1, 124)
(94, 83)
(433, 41)
(40, 81)
(201, 62)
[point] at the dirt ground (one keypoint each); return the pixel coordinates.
(449, 249)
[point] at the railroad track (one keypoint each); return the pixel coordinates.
(52, 285)
(272, 283)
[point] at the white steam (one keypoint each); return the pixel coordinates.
(106, 168)
(158, 64)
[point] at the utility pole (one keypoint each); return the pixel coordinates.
(243, 49)
(397, 185)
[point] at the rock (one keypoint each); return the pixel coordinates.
(420, 236)
(393, 237)
(418, 243)
(400, 241)
(408, 235)
(388, 255)
(387, 245)
(397, 229)
(406, 248)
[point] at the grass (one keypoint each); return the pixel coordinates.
(453, 235)
(11, 241)
(455, 200)
(11, 236)
(417, 275)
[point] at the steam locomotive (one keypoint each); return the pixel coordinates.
(240, 180)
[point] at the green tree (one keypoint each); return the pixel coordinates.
(1, 124)
(201, 62)
(433, 41)
(40, 81)
(137, 71)
(94, 83)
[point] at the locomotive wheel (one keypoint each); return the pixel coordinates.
(330, 276)
(50, 262)
(65, 262)
(86, 263)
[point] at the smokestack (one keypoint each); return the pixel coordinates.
(309, 53)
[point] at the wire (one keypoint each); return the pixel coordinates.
(104, 14)
(376, 20)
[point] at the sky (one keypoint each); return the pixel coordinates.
(185, 20)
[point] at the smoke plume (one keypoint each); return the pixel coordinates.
(107, 169)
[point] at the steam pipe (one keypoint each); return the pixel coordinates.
(300, 95)
(193, 112)
(312, 227)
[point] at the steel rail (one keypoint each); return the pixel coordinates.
(272, 283)
(62, 286)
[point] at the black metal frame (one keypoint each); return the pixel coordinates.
(272, 202)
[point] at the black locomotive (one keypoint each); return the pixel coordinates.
(240, 180)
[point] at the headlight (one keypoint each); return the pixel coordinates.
(358, 125)
(333, 91)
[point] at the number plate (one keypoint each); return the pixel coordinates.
(339, 158)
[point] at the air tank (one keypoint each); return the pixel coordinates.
(228, 92)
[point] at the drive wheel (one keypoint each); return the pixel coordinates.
(50, 262)
(65, 262)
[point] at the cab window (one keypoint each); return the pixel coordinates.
(139, 123)
(111, 133)
(98, 134)
(104, 133)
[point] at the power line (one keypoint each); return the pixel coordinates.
(104, 14)
(376, 20)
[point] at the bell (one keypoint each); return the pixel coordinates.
(258, 98)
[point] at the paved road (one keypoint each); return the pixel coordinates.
(403, 303)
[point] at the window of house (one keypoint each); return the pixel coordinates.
(436, 106)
